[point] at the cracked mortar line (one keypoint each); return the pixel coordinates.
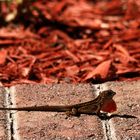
(15, 135)
(108, 126)
(11, 117)
(8, 114)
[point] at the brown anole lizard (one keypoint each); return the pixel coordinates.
(90, 107)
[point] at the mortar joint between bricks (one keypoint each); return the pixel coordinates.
(9, 114)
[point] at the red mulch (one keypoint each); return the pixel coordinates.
(69, 41)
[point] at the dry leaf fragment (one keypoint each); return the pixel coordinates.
(72, 55)
(124, 55)
(3, 55)
(72, 70)
(102, 69)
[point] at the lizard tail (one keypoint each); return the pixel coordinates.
(39, 108)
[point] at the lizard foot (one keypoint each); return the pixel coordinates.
(73, 112)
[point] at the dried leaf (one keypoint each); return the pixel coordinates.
(102, 70)
(3, 55)
(72, 70)
(125, 58)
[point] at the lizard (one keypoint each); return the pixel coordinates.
(102, 102)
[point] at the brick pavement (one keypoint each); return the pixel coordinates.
(123, 124)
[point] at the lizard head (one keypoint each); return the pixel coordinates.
(107, 94)
(107, 103)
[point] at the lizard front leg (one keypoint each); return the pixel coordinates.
(97, 111)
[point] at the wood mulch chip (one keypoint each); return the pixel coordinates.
(69, 41)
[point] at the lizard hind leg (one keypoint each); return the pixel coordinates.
(73, 112)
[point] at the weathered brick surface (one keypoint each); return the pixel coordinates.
(3, 117)
(53, 125)
(123, 125)
(126, 124)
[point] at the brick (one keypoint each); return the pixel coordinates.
(126, 124)
(3, 117)
(53, 125)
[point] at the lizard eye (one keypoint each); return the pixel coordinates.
(111, 93)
